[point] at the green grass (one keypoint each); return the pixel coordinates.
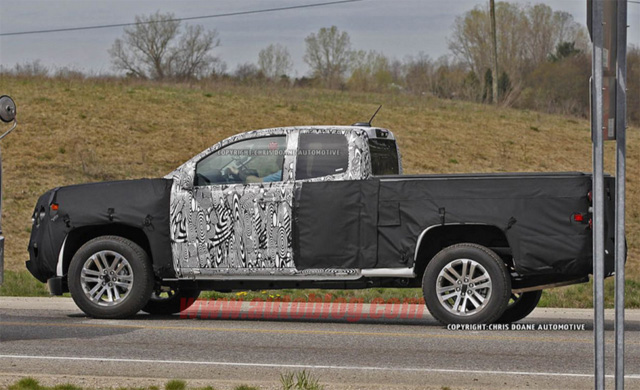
(299, 381)
(581, 295)
(74, 131)
(366, 295)
(175, 384)
(32, 384)
(22, 284)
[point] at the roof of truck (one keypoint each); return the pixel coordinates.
(373, 132)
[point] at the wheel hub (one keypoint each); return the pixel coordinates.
(464, 287)
(106, 278)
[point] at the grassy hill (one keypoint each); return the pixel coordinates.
(73, 130)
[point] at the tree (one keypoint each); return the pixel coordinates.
(526, 36)
(329, 54)
(370, 71)
(564, 50)
(559, 87)
(274, 61)
(419, 74)
(248, 73)
(154, 49)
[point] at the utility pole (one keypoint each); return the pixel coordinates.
(494, 53)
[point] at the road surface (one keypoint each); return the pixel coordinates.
(51, 340)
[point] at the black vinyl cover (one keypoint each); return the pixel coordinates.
(141, 204)
(338, 224)
(335, 224)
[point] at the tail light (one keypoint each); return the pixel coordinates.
(582, 218)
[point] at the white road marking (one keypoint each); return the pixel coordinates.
(305, 366)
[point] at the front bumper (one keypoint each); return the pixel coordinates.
(35, 271)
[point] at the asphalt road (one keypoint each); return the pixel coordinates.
(50, 339)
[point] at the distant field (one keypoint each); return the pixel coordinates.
(74, 131)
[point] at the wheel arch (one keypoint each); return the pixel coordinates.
(79, 236)
(435, 238)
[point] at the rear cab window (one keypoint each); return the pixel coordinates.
(321, 155)
(384, 156)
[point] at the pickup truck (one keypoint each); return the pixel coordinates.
(317, 207)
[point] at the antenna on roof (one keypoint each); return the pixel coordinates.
(368, 124)
(374, 115)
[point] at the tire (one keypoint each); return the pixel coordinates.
(171, 302)
(122, 290)
(454, 296)
(520, 305)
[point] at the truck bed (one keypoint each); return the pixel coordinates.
(534, 210)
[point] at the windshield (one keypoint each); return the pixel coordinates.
(384, 156)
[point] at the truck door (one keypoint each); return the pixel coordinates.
(240, 216)
(335, 207)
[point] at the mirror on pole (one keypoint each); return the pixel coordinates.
(7, 109)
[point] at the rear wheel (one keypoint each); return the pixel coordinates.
(466, 284)
(520, 305)
(110, 277)
(170, 301)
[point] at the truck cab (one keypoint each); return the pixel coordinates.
(232, 204)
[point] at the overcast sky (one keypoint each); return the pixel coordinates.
(395, 27)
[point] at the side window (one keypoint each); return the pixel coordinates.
(321, 155)
(250, 161)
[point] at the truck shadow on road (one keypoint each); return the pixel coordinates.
(382, 315)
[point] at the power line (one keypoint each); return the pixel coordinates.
(179, 19)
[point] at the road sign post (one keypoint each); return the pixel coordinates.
(620, 234)
(607, 22)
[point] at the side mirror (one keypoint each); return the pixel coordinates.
(7, 109)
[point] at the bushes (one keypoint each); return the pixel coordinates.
(559, 87)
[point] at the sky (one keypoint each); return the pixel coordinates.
(398, 28)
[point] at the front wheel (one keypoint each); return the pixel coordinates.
(110, 277)
(466, 284)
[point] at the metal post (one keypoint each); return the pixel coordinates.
(1, 236)
(597, 10)
(620, 242)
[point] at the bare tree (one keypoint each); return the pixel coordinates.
(191, 58)
(419, 74)
(248, 72)
(526, 36)
(275, 61)
(471, 38)
(154, 49)
(370, 71)
(329, 54)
